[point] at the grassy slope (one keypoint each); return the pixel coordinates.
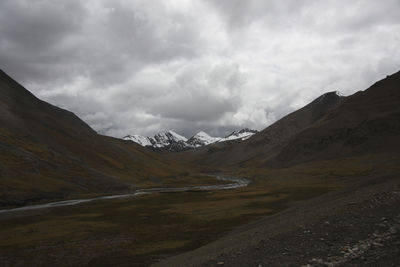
(47, 153)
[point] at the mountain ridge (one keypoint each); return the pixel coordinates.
(169, 140)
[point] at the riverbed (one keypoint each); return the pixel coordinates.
(235, 183)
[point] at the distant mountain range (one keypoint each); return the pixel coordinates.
(171, 141)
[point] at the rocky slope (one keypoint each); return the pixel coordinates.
(356, 226)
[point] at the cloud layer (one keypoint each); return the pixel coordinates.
(138, 67)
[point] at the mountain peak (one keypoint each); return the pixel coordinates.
(202, 133)
(181, 137)
(202, 139)
(141, 140)
(330, 95)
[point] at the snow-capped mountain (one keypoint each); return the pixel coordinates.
(242, 135)
(171, 141)
(202, 139)
(141, 140)
(167, 140)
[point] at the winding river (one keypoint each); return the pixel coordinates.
(235, 183)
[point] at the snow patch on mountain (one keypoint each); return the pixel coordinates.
(202, 139)
(243, 134)
(141, 140)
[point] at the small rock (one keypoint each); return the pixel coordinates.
(377, 244)
(220, 263)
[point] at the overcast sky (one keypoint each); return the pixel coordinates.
(138, 67)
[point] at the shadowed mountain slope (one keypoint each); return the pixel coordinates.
(368, 122)
(48, 152)
(330, 126)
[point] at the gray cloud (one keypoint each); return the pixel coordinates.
(204, 92)
(214, 65)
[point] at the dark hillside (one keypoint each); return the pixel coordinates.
(367, 122)
(47, 152)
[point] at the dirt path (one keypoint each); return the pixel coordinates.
(358, 226)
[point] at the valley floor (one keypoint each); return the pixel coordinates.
(315, 213)
(140, 230)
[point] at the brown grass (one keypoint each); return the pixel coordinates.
(137, 230)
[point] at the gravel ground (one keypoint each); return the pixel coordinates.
(359, 226)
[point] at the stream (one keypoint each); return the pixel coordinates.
(236, 183)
